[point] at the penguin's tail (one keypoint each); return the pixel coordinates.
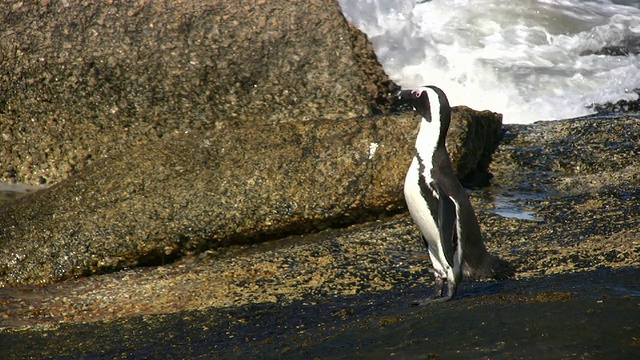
(501, 269)
(491, 266)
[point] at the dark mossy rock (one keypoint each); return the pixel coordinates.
(473, 136)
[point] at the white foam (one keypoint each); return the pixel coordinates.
(525, 59)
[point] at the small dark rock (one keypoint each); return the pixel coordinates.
(473, 136)
(628, 46)
(620, 106)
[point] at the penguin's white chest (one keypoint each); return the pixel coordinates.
(425, 219)
(417, 205)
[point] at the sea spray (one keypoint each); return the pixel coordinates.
(530, 60)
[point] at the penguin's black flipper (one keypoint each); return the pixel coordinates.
(447, 224)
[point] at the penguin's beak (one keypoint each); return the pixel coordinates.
(418, 100)
(411, 94)
(405, 95)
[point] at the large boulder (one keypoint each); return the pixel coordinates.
(191, 191)
(81, 80)
(199, 190)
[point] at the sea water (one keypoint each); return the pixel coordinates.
(529, 60)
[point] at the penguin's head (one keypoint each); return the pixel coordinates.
(432, 104)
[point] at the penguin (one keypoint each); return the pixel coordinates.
(438, 203)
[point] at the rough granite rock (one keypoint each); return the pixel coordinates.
(188, 192)
(81, 80)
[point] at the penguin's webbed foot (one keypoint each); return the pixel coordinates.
(431, 300)
(439, 295)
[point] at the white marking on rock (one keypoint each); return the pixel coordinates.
(372, 149)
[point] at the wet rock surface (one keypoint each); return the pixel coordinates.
(12, 192)
(589, 315)
(578, 178)
(569, 200)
